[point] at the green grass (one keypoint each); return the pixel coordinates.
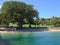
(15, 24)
(49, 26)
(27, 25)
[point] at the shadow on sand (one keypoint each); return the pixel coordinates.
(33, 29)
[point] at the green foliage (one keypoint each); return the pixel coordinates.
(55, 21)
(14, 11)
(45, 21)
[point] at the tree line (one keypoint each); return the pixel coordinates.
(55, 21)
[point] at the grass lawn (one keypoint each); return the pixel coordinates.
(49, 26)
(27, 25)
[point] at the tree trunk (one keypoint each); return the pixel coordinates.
(20, 25)
(29, 25)
(7, 24)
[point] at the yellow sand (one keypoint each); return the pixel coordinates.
(10, 32)
(54, 30)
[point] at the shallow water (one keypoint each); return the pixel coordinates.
(31, 38)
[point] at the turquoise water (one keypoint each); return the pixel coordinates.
(32, 38)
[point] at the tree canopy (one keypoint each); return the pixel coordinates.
(14, 11)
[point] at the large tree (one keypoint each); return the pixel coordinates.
(18, 11)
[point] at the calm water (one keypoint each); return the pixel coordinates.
(33, 38)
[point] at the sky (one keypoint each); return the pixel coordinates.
(46, 8)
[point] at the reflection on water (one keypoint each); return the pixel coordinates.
(31, 38)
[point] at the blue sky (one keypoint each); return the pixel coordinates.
(46, 8)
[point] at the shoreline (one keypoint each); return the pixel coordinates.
(12, 32)
(32, 30)
(54, 30)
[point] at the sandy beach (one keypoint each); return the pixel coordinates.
(9, 32)
(54, 30)
(12, 32)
